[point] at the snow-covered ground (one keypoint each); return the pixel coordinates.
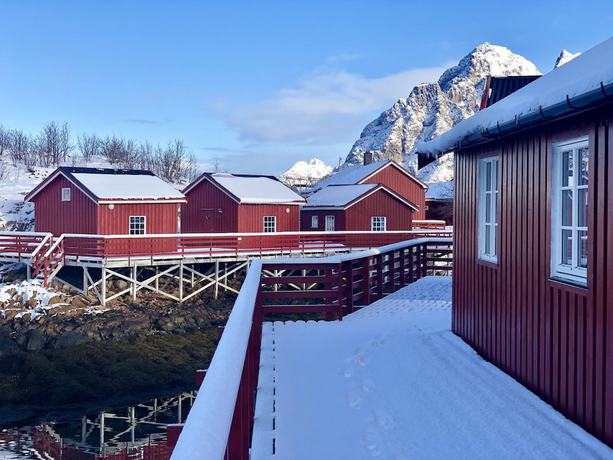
(392, 382)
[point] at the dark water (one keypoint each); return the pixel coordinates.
(104, 431)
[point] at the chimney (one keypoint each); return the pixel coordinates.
(367, 158)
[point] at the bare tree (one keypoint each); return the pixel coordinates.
(5, 140)
(53, 144)
(111, 149)
(19, 147)
(89, 145)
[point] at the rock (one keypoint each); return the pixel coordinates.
(55, 300)
(70, 338)
(32, 302)
(78, 302)
(35, 340)
(11, 291)
(120, 284)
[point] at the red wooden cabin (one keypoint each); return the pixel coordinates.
(362, 207)
(229, 203)
(388, 173)
(533, 239)
(107, 202)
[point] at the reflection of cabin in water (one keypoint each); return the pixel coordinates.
(225, 203)
(105, 202)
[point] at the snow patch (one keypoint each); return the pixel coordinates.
(564, 57)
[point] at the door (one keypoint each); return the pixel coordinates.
(330, 223)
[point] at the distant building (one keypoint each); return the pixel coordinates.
(226, 203)
(533, 238)
(361, 207)
(105, 202)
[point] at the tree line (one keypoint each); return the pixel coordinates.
(54, 146)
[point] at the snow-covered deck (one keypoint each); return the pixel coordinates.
(393, 382)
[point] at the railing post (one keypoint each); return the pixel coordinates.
(379, 260)
(349, 285)
(340, 292)
(402, 280)
(366, 280)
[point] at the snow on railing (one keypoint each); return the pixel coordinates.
(219, 424)
(206, 430)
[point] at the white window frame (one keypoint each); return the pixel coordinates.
(573, 272)
(330, 224)
(270, 224)
(493, 162)
(66, 194)
(314, 221)
(378, 223)
(135, 226)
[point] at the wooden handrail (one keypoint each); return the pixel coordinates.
(220, 423)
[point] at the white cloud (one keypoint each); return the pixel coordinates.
(325, 108)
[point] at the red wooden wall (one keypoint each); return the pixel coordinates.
(251, 217)
(554, 338)
(402, 185)
(53, 215)
(305, 220)
(209, 210)
(357, 217)
(161, 218)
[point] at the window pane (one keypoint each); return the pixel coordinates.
(582, 248)
(567, 168)
(488, 208)
(495, 208)
(487, 240)
(496, 175)
(488, 176)
(582, 207)
(583, 165)
(567, 207)
(567, 247)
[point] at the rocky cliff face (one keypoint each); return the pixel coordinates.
(432, 108)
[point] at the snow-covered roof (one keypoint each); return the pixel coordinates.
(440, 190)
(104, 185)
(586, 79)
(128, 187)
(338, 195)
(355, 174)
(257, 189)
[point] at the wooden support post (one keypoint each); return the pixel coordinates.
(83, 429)
(103, 287)
(28, 272)
(102, 432)
(157, 279)
(134, 282)
(181, 285)
(366, 281)
(179, 408)
(216, 279)
(85, 286)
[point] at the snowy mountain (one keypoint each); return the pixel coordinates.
(304, 174)
(564, 57)
(432, 108)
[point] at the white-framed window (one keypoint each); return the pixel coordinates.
(569, 191)
(330, 223)
(314, 221)
(138, 225)
(488, 209)
(270, 224)
(66, 195)
(378, 224)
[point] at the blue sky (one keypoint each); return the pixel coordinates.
(258, 85)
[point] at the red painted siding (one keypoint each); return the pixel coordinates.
(402, 185)
(53, 215)
(305, 220)
(398, 215)
(554, 338)
(251, 217)
(357, 217)
(160, 218)
(209, 210)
